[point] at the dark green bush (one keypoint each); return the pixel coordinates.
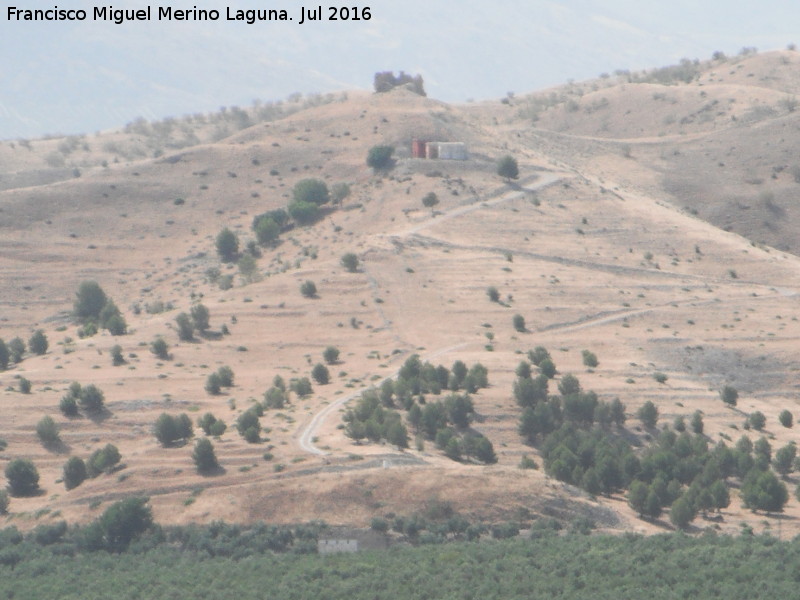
(321, 374)
(47, 430)
(331, 355)
(74, 472)
(22, 476)
(38, 342)
(380, 157)
(312, 191)
(103, 460)
(507, 167)
(171, 429)
(648, 414)
(90, 301)
(91, 398)
(308, 289)
(160, 348)
(589, 359)
(5, 355)
(350, 262)
(204, 457)
(116, 356)
(729, 395)
(68, 405)
(227, 245)
(267, 231)
(248, 426)
(17, 349)
(304, 213)
(430, 200)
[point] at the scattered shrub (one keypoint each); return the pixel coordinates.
(339, 191)
(38, 342)
(17, 349)
(275, 397)
(757, 420)
(548, 368)
(312, 191)
(170, 429)
(350, 262)
(160, 348)
(267, 231)
(116, 356)
(248, 426)
(331, 355)
(204, 457)
(308, 289)
(227, 245)
(74, 472)
(304, 213)
(430, 200)
(47, 430)
(537, 355)
(90, 301)
(22, 476)
(5, 355)
(507, 167)
(213, 384)
(321, 374)
(648, 414)
(24, 385)
(103, 460)
(729, 395)
(225, 376)
(519, 323)
(200, 317)
(185, 327)
(91, 398)
(68, 406)
(589, 359)
(380, 157)
(301, 387)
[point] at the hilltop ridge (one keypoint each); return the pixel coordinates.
(613, 241)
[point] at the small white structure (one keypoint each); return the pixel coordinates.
(442, 150)
(452, 151)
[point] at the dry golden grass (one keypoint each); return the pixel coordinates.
(603, 257)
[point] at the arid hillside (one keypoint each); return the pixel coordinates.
(652, 225)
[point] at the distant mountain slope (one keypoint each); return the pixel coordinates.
(80, 77)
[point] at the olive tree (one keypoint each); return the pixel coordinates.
(227, 245)
(507, 167)
(314, 191)
(204, 457)
(90, 301)
(74, 472)
(321, 374)
(350, 262)
(380, 157)
(22, 476)
(38, 342)
(47, 430)
(331, 355)
(91, 398)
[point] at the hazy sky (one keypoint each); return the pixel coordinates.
(71, 77)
